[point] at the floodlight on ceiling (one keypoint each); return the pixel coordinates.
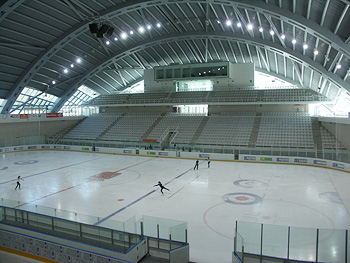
(305, 46)
(283, 36)
(149, 27)
(228, 22)
(261, 29)
(124, 35)
(272, 32)
(239, 24)
(159, 25)
(78, 60)
(141, 29)
(316, 52)
(294, 41)
(250, 26)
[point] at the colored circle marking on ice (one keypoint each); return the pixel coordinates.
(3, 168)
(242, 198)
(249, 183)
(26, 162)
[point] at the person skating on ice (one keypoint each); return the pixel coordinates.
(18, 182)
(161, 187)
(208, 159)
(196, 165)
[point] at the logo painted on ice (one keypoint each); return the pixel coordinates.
(250, 158)
(320, 162)
(297, 160)
(282, 160)
(338, 165)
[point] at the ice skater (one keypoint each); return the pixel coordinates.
(196, 165)
(208, 160)
(18, 182)
(161, 187)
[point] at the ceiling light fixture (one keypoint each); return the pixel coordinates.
(294, 41)
(283, 36)
(228, 22)
(316, 52)
(159, 25)
(239, 24)
(123, 35)
(272, 32)
(261, 29)
(250, 26)
(141, 29)
(305, 46)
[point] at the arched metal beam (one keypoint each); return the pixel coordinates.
(258, 6)
(273, 47)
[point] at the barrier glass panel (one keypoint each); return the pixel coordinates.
(178, 233)
(112, 224)
(275, 241)
(66, 215)
(331, 246)
(302, 244)
(252, 236)
(130, 225)
(86, 219)
(238, 249)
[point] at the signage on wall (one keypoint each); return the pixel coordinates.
(282, 160)
(127, 151)
(338, 165)
(250, 158)
(266, 159)
(162, 153)
(298, 160)
(318, 162)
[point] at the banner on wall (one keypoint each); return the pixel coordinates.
(266, 159)
(282, 160)
(127, 151)
(250, 158)
(338, 165)
(149, 140)
(54, 115)
(24, 116)
(318, 162)
(299, 160)
(163, 153)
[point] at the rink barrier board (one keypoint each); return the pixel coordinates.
(313, 162)
(27, 255)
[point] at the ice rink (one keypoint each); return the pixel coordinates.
(209, 199)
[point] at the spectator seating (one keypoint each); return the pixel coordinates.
(131, 127)
(92, 127)
(285, 130)
(226, 129)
